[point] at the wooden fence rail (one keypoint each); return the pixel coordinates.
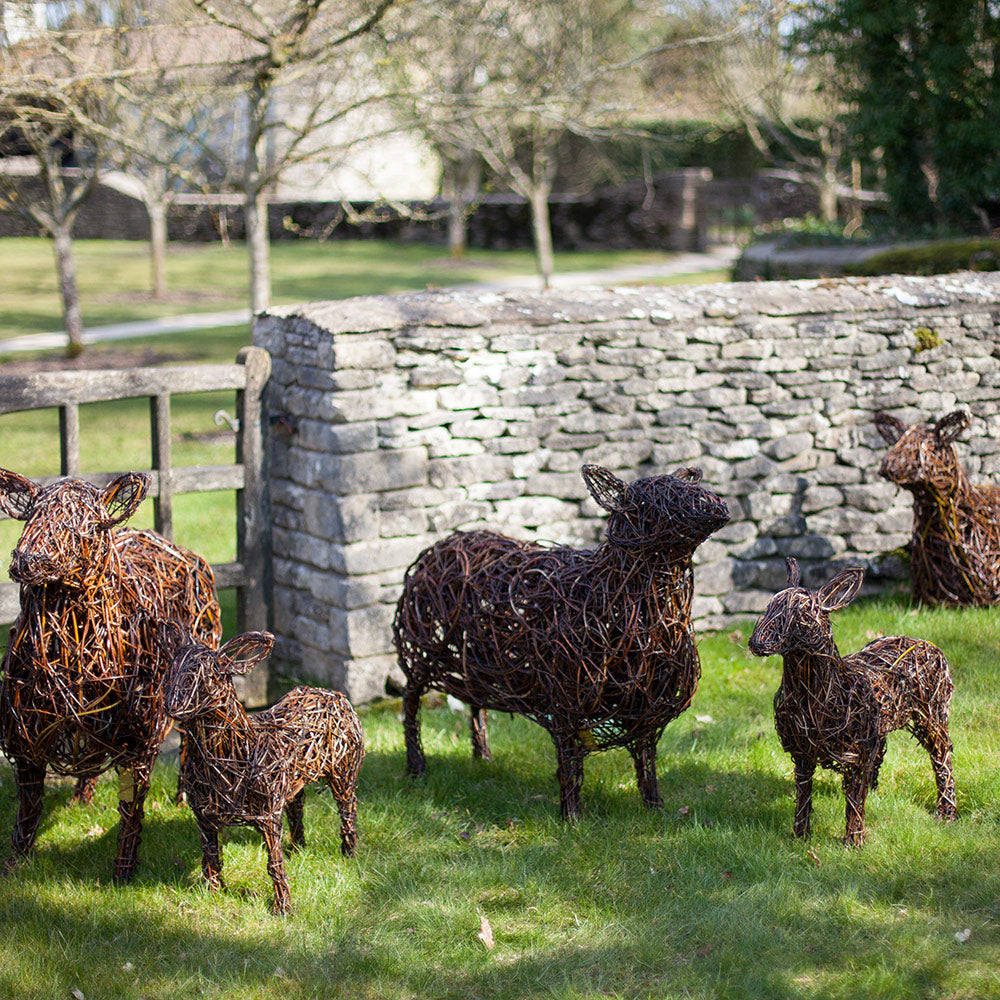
(250, 572)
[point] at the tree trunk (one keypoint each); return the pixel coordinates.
(258, 249)
(542, 232)
(460, 184)
(62, 244)
(158, 247)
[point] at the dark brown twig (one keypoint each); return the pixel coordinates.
(250, 769)
(594, 645)
(836, 711)
(82, 680)
(955, 551)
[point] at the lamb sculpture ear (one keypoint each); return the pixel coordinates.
(17, 494)
(171, 636)
(792, 569)
(242, 653)
(605, 487)
(123, 495)
(948, 428)
(841, 590)
(891, 428)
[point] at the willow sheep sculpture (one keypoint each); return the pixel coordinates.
(595, 645)
(955, 550)
(248, 770)
(836, 711)
(81, 684)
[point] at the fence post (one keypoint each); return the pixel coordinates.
(253, 510)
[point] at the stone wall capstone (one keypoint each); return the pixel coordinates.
(398, 419)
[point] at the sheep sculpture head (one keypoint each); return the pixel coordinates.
(67, 534)
(922, 456)
(671, 511)
(955, 543)
(797, 618)
(199, 676)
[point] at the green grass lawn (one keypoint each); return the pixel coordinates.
(114, 275)
(710, 897)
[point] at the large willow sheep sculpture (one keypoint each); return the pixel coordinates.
(595, 646)
(82, 680)
(836, 711)
(955, 551)
(250, 769)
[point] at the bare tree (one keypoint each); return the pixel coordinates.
(504, 80)
(782, 96)
(293, 66)
(45, 100)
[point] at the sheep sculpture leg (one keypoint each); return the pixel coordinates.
(347, 805)
(805, 767)
(857, 782)
(416, 762)
(83, 792)
(271, 832)
(30, 790)
(939, 748)
(644, 756)
(294, 811)
(131, 800)
(569, 774)
(211, 856)
(477, 730)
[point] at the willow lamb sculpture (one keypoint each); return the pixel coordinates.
(955, 552)
(836, 711)
(81, 688)
(249, 769)
(595, 646)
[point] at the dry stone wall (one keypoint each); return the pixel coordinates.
(398, 419)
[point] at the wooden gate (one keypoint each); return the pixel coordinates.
(250, 573)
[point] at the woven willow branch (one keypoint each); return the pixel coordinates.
(250, 769)
(836, 711)
(82, 680)
(955, 550)
(594, 645)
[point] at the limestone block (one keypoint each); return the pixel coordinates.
(464, 470)
(376, 555)
(371, 677)
(456, 515)
(362, 631)
(818, 498)
(434, 376)
(788, 446)
(535, 511)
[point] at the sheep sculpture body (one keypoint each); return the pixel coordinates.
(594, 645)
(81, 682)
(248, 770)
(955, 550)
(836, 711)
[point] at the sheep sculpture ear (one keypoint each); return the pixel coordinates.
(841, 590)
(171, 637)
(689, 473)
(17, 494)
(605, 487)
(792, 569)
(242, 653)
(891, 428)
(123, 495)
(948, 428)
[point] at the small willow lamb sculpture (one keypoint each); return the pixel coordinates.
(955, 551)
(247, 770)
(836, 711)
(594, 645)
(81, 688)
